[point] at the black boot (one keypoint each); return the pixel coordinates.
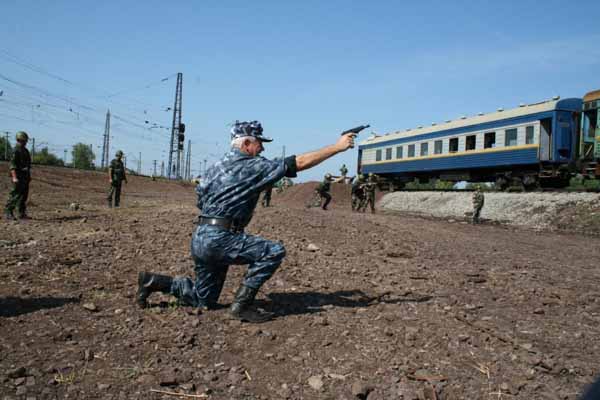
(8, 215)
(242, 309)
(149, 283)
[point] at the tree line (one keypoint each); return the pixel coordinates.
(82, 155)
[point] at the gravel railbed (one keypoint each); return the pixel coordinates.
(527, 209)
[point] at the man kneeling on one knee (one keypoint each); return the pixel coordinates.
(227, 197)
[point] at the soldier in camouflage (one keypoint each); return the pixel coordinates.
(358, 193)
(20, 174)
(227, 198)
(323, 190)
(116, 176)
(343, 173)
(369, 189)
(478, 200)
(266, 200)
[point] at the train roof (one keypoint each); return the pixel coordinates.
(524, 109)
(591, 96)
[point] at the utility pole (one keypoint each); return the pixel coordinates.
(65, 158)
(188, 156)
(162, 168)
(154, 173)
(6, 147)
(204, 168)
(140, 164)
(200, 169)
(105, 144)
(177, 133)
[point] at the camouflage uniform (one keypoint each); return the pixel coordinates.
(231, 190)
(323, 190)
(358, 193)
(478, 200)
(343, 172)
(17, 198)
(117, 176)
(266, 200)
(369, 188)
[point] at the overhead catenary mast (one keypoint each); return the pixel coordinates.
(177, 134)
(105, 144)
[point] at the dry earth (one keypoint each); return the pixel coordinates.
(387, 307)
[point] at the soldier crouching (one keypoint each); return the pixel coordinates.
(227, 198)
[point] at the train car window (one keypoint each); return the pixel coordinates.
(411, 150)
(453, 145)
(424, 149)
(470, 142)
(388, 153)
(399, 152)
(437, 147)
(378, 155)
(529, 139)
(489, 140)
(510, 137)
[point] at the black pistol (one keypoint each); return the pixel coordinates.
(356, 130)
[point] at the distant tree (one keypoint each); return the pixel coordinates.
(46, 158)
(83, 156)
(3, 144)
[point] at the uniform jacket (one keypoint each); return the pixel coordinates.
(21, 162)
(118, 170)
(232, 186)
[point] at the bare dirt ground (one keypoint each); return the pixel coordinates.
(387, 307)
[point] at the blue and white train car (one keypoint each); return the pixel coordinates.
(534, 143)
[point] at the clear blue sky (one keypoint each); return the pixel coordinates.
(306, 69)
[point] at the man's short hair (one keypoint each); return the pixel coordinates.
(238, 141)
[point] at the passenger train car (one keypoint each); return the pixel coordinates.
(589, 145)
(532, 145)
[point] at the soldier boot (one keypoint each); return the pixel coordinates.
(149, 283)
(242, 309)
(8, 215)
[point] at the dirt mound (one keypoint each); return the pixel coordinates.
(59, 186)
(299, 195)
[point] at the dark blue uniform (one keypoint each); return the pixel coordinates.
(231, 190)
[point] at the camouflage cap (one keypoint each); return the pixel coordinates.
(252, 128)
(119, 153)
(22, 135)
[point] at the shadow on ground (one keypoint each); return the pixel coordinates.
(313, 302)
(15, 306)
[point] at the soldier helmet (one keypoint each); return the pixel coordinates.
(21, 135)
(119, 153)
(327, 176)
(371, 174)
(252, 128)
(361, 177)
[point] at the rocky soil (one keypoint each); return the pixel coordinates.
(369, 306)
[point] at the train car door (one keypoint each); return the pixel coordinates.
(546, 139)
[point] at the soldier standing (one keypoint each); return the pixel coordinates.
(116, 175)
(266, 200)
(358, 193)
(369, 188)
(343, 173)
(227, 198)
(478, 200)
(323, 190)
(20, 174)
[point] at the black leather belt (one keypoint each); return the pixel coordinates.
(224, 223)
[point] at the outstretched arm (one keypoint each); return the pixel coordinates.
(310, 159)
